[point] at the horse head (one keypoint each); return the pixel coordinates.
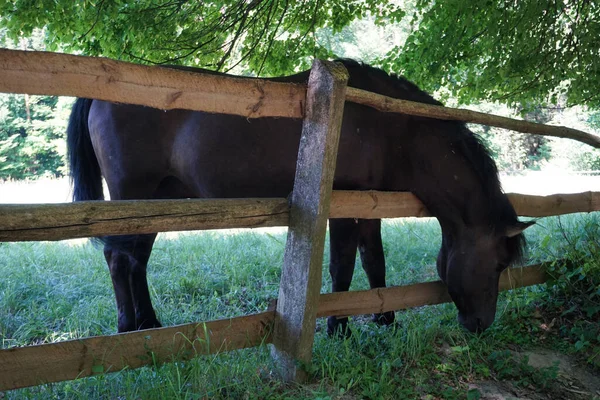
(470, 263)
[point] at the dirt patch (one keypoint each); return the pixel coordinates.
(567, 368)
(573, 382)
(492, 390)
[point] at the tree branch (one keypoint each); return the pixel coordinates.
(268, 51)
(388, 104)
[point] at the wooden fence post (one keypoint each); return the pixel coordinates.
(295, 317)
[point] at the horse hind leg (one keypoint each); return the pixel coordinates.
(127, 258)
(343, 239)
(118, 265)
(370, 247)
(127, 255)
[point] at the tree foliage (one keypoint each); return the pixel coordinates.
(524, 54)
(32, 128)
(269, 36)
(31, 137)
(515, 52)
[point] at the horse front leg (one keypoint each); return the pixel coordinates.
(127, 258)
(370, 247)
(343, 241)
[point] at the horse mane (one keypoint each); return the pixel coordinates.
(396, 86)
(469, 144)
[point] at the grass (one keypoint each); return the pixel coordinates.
(57, 291)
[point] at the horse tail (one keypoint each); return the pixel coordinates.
(85, 173)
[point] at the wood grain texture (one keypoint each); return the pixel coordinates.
(22, 222)
(389, 104)
(54, 362)
(374, 204)
(57, 74)
(555, 204)
(295, 317)
(98, 218)
(371, 204)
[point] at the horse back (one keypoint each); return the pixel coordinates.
(149, 153)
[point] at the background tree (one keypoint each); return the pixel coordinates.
(515, 52)
(515, 151)
(530, 55)
(32, 128)
(270, 37)
(31, 137)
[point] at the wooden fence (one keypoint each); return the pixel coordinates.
(290, 326)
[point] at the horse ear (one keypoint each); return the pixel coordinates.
(518, 228)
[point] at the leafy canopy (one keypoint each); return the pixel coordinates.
(32, 128)
(512, 51)
(31, 136)
(270, 36)
(517, 52)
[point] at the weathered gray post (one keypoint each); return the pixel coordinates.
(295, 318)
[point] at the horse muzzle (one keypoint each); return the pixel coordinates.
(475, 323)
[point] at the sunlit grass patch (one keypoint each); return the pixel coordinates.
(56, 291)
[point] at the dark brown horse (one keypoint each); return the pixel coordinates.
(144, 153)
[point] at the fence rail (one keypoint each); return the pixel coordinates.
(23, 222)
(163, 88)
(72, 359)
(388, 104)
(166, 89)
(287, 328)
(78, 358)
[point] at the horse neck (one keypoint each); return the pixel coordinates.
(453, 175)
(465, 203)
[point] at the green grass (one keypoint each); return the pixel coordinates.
(57, 291)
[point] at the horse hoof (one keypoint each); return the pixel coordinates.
(385, 319)
(338, 327)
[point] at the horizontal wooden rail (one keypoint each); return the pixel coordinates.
(54, 362)
(98, 218)
(374, 204)
(389, 104)
(23, 222)
(416, 295)
(555, 204)
(58, 74)
(163, 88)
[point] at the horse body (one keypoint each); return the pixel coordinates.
(210, 156)
(146, 153)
